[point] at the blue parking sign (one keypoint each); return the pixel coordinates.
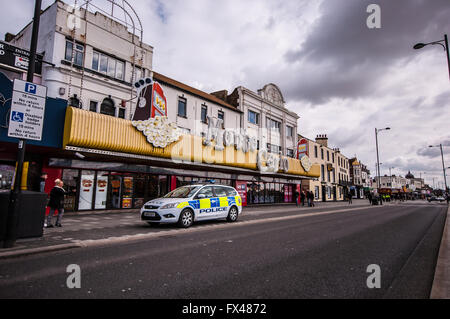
(30, 88)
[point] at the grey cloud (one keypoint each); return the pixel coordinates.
(357, 57)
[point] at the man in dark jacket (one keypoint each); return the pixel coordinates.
(56, 203)
(303, 197)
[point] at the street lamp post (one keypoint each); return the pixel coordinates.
(443, 165)
(443, 43)
(13, 208)
(378, 156)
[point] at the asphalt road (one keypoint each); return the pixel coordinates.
(311, 256)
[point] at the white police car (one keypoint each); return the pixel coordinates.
(187, 204)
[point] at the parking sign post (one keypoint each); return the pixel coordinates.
(13, 209)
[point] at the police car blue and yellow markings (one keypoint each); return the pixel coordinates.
(211, 205)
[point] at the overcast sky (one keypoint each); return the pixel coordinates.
(342, 78)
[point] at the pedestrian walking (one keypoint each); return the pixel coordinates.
(350, 198)
(56, 203)
(310, 196)
(303, 197)
(369, 197)
(296, 198)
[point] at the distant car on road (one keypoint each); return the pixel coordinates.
(187, 204)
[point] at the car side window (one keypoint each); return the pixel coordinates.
(220, 191)
(206, 191)
(230, 191)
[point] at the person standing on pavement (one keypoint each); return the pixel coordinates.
(369, 197)
(56, 203)
(42, 182)
(350, 198)
(310, 195)
(303, 197)
(296, 198)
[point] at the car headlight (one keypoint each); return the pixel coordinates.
(167, 206)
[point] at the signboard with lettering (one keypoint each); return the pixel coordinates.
(27, 110)
(302, 148)
(17, 57)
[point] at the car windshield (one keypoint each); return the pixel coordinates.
(183, 192)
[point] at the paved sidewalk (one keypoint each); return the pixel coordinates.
(95, 225)
(441, 283)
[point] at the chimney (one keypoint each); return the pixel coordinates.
(9, 37)
(322, 139)
(223, 95)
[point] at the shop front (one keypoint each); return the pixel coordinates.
(112, 186)
(125, 168)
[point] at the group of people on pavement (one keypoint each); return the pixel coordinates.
(305, 196)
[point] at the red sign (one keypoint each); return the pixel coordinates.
(159, 102)
(152, 102)
(302, 148)
(241, 187)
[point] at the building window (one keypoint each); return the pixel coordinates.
(315, 151)
(93, 106)
(221, 116)
(316, 192)
(328, 156)
(289, 131)
(182, 107)
(107, 107)
(321, 153)
(253, 117)
(107, 65)
(332, 157)
(121, 113)
(204, 114)
(322, 172)
(273, 125)
(271, 148)
(290, 153)
(77, 53)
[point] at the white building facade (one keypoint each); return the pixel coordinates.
(92, 60)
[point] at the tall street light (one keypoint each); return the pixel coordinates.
(378, 156)
(443, 43)
(443, 165)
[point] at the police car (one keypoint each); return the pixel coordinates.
(188, 204)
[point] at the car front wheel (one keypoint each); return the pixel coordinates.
(186, 218)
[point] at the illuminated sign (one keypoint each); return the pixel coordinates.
(150, 116)
(302, 148)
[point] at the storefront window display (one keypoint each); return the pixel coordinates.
(115, 190)
(101, 191)
(70, 179)
(87, 186)
(128, 187)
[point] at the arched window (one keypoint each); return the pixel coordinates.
(107, 107)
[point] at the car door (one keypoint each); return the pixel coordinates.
(203, 209)
(221, 201)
